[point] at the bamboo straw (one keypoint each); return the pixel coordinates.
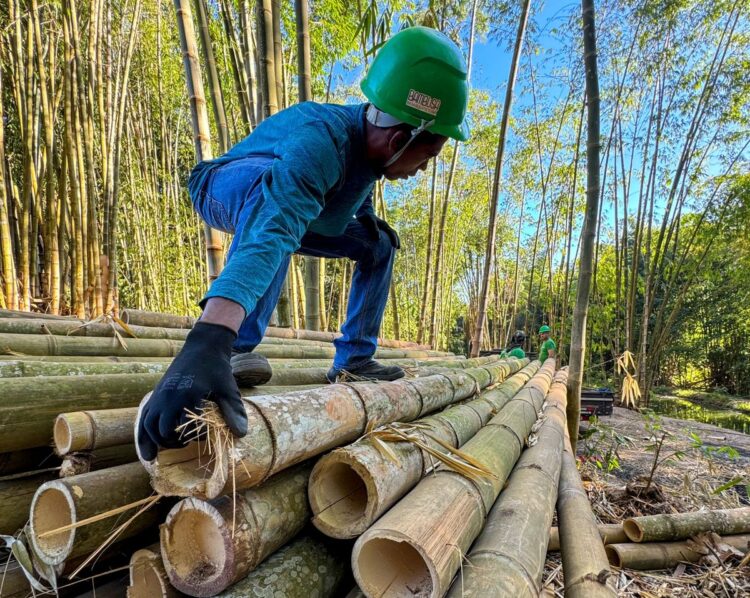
(285, 429)
(419, 544)
(507, 559)
(352, 486)
(302, 569)
(665, 555)
(679, 526)
(148, 579)
(208, 546)
(65, 502)
(611, 533)
(16, 496)
(585, 564)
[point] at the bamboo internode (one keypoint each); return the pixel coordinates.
(147, 576)
(60, 504)
(303, 568)
(680, 526)
(585, 564)
(88, 430)
(611, 533)
(507, 559)
(665, 555)
(418, 545)
(352, 486)
(208, 546)
(286, 429)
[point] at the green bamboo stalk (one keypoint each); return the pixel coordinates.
(74, 328)
(251, 525)
(140, 317)
(352, 486)
(418, 545)
(16, 496)
(669, 527)
(24, 368)
(666, 555)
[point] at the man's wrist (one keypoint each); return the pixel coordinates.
(223, 312)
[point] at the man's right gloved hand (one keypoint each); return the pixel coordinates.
(201, 371)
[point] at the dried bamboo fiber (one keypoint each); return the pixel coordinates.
(67, 501)
(22, 368)
(147, 576)
(89, 329)
(352, 486)
(507, 559)
(304, 568)
(16, 495)
(418, 545)
(585, 564)
(140, 317)
(611, 533)
(666, 555)
(680, 526)
(290, 428)
(209, 545)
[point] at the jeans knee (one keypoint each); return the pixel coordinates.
(382, 250)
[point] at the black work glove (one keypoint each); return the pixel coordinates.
(373, 225)
(201, 371)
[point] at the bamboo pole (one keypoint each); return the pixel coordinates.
(23, 368)
(67, 501)
(303, 568)
(38, 344)
(507, 559)
(209, 545)
(140, 317)
(418, 545)
(104, 458)
(17, 313)
(148, 579)
(585, 564)
(680, 526)
(16, 495)
(666, 555)
(352, 486)
(84, 359)
(76, 328)
(24, 461)
(287, 429)
(610, 533)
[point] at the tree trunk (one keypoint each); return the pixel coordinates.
(490, 252)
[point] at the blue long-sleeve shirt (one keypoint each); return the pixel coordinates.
(319, 180)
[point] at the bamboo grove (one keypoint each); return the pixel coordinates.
(97, 141)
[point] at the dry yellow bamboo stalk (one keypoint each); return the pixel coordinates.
(585, 564)
(68, 501)
(209, 545)
(286, 429)
(665, 555)
(419, 544)
(352, 486)
(680, 526)
(507, 559)
(147, 576)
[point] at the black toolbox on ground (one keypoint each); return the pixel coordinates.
(596, 401)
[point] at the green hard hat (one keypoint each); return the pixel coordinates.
(420, 75)
(543, 329)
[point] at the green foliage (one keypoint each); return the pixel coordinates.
(601, 444)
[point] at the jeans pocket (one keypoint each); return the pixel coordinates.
(219, 217)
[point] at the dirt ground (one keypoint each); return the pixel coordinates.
(686, 484)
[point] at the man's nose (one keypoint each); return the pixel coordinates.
(423, 167)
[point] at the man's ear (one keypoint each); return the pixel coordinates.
(397, 140)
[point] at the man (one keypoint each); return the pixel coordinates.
(302, 181)
(516, 345)
(547, 347)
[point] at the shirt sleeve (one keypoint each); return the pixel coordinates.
(307, 165)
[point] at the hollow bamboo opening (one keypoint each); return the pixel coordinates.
(51, 510)
(340, 497)
(193, 467)
(62, 435)
(145, 580)
(196, 549)
(633, 530)
(613, 555)
(390, 567)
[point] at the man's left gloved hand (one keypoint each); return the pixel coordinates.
(373, 225)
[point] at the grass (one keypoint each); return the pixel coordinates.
(717, 408)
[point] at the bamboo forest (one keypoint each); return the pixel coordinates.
(507, 356)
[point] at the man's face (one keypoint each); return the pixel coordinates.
(416, 157)
(544, 336)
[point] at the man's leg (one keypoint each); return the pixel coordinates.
(367, 298)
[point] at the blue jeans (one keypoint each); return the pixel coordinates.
(233, 194)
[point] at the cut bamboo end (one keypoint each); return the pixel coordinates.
(632, 530)
(613, 555)
(73, 432)
(147, 576)
(52, 508)
(200, 548)
(342, 493)
(390, 565)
